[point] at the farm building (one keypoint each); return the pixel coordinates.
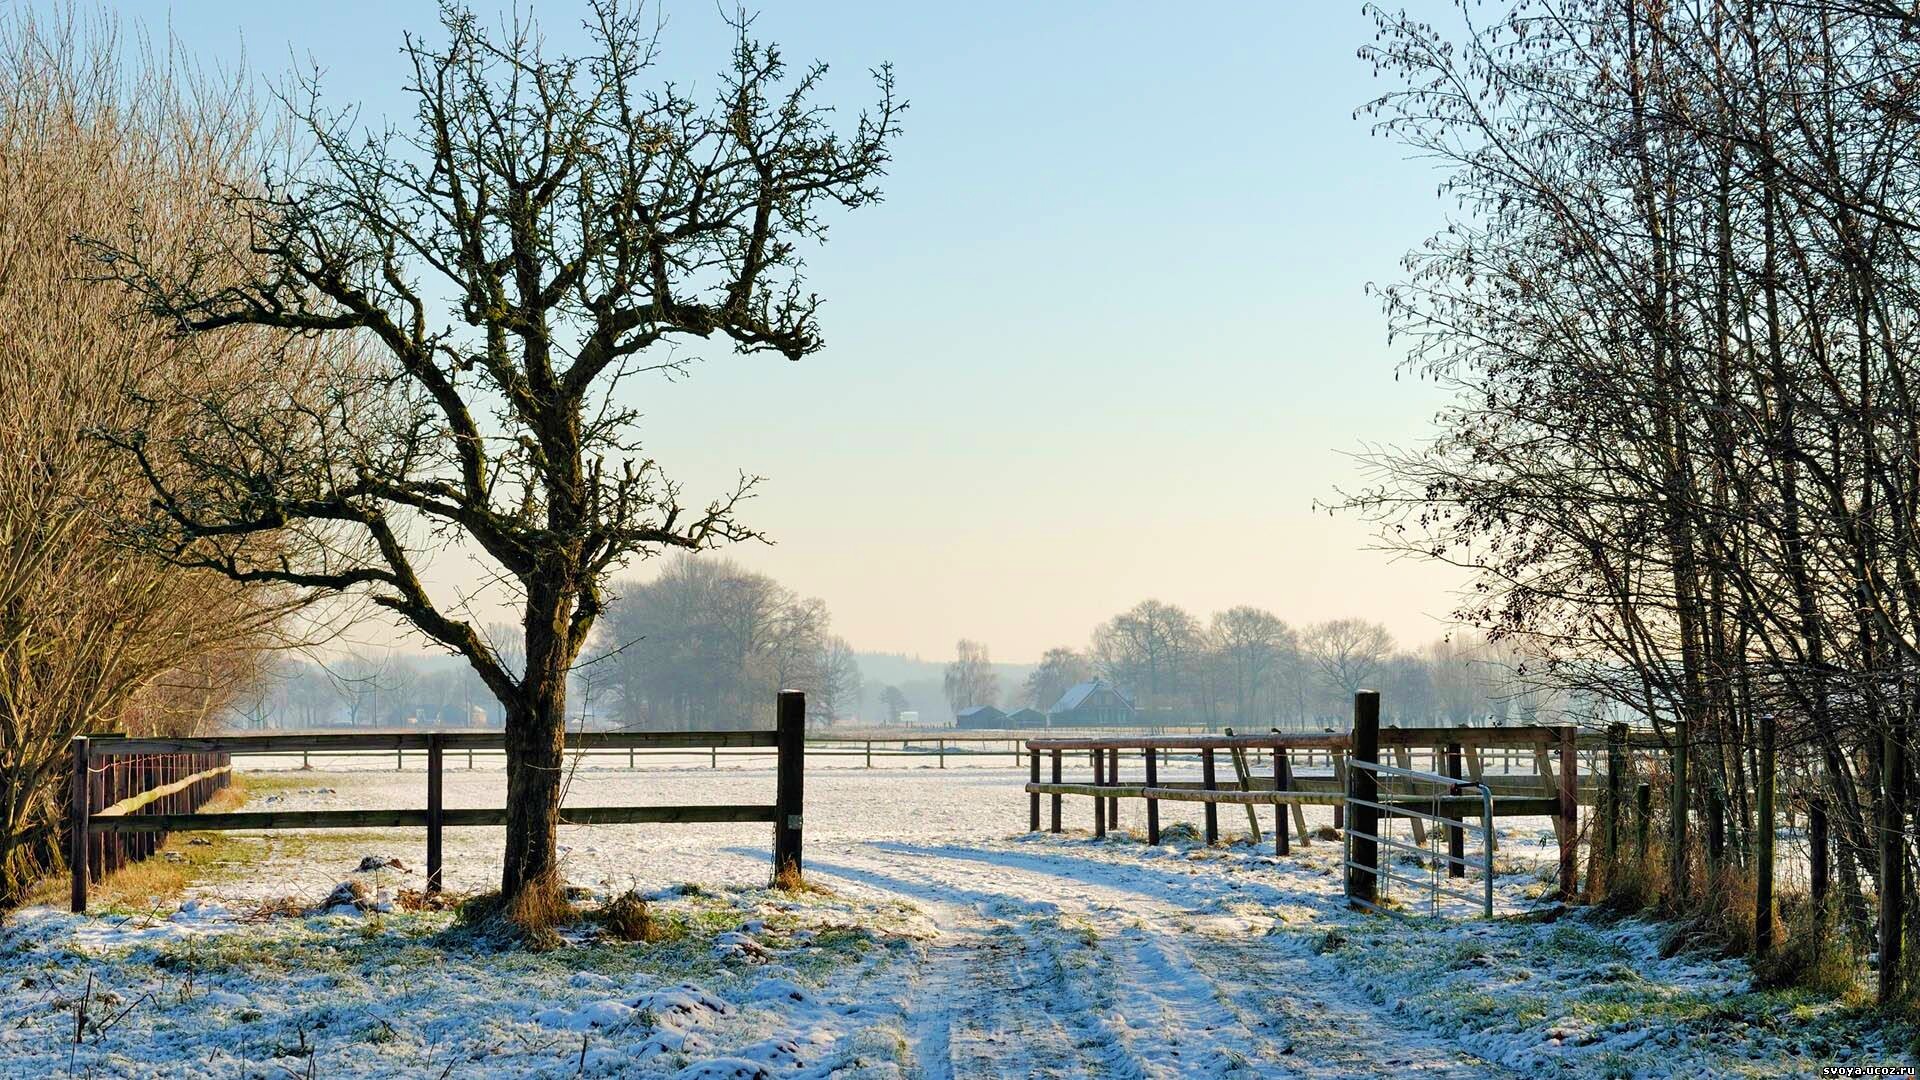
(1093, 704)
(979, 716)
(1026, 718)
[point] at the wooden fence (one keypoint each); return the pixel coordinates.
(990, 748)
(149, 812)
(113, 778)
(1540, 775)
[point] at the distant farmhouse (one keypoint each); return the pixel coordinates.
(980, 716)
(1093, 704)
(1026, 718)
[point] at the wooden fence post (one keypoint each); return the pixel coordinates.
(1153, 804)
(1677, 863)
(1209, 781)
(435, 758)
(1113, 777)
(1053, 822)
(80, 811)
(1099, 803)
(1456, 834)
(1363, 876)
(1569, 815)
(1817, 839)
(1033, 800)
(790, 741)
(96, 799)
(1282, 781)
(1763, 843)
(1616, 780)
(1643, 815)
(1893, 842)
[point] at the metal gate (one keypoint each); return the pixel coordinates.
(1405, 804)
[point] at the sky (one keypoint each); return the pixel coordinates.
(1106, 338)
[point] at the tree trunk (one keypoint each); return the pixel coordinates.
(536, 744)
(535, 738)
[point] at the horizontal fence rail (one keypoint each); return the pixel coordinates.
(1475, 773)
(165, 799)
(116, 780)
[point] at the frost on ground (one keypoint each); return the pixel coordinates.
(951, 945)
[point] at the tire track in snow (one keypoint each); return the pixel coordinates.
(995, 998)
(1043, 974)
(1326, 1026)
(1026, 984)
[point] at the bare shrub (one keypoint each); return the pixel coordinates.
(93, 636)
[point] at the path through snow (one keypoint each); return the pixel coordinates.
(1051, 966)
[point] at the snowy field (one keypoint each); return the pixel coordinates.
(949, 943)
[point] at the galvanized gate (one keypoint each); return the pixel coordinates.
(1433, 806)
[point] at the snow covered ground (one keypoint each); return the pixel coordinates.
(952, 944)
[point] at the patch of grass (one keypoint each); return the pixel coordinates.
(530, 921)
(160, 879)
(1816, 953)
(1331, 941)
(1576, 943)
(1633, 884)
(1180, 832)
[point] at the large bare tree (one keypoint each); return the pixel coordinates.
(541, 230)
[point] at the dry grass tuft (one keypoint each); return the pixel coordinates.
(421, 900)
(789, 879)
(626, 917)
(1816, 953)
(529, 920)
(1634, 883)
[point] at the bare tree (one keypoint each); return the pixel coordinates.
(895, 702)
(1254, 648)
(1152, 650)
(1060, 670)
(581, 222)
(1677, 310)
(839, 688)
(970, 679)
(1346, 652)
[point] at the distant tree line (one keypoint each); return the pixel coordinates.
(365, 689)
(1249, 667)
(707, 643)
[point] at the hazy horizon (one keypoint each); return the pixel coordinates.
(1105, 340)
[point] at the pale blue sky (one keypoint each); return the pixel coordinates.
(1105, 339)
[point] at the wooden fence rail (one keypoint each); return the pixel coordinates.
(115, 781)
(1549, 784)
(132, 814)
